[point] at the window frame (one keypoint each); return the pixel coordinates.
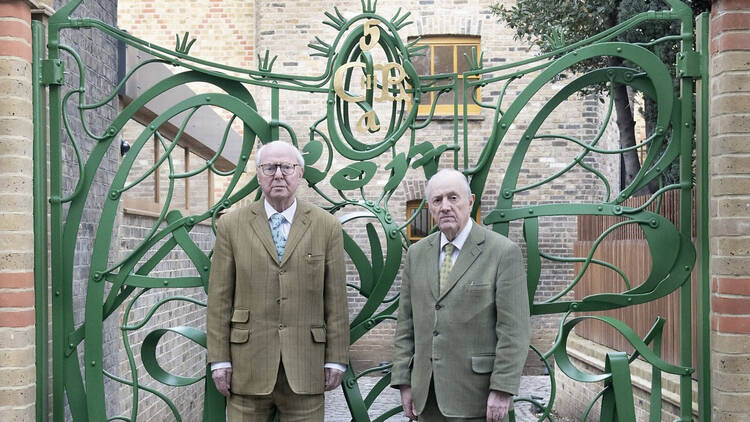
(431, 41)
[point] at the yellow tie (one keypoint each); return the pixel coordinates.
(445, 267)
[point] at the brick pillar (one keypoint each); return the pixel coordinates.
(17, 369)
(729, 147)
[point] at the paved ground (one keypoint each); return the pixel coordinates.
(337, 411)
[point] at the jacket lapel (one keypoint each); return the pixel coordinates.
(259, 224)
(300, 224)
(433, 255)
(466, 257)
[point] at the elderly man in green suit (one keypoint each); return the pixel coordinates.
(277, 324)
(463, 327)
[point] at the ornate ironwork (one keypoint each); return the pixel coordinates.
(354, 79)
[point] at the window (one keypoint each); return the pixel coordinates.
(422, 224)
(445, 54)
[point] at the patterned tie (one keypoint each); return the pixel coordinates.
(445, 267)
(278, 236)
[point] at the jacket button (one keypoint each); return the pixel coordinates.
(435, 333)
(437, 306)
(278, 300)
(282, 326)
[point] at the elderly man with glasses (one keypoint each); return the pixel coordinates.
(277, 321)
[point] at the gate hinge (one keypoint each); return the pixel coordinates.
(53, 72)
(689, 64)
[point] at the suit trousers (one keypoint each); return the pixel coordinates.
(431, 412)
(292, 407)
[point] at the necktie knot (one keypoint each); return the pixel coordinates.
(449, 248)
(276, 220)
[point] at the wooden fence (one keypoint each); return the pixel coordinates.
(628, 250)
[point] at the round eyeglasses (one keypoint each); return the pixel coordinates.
(270, 168)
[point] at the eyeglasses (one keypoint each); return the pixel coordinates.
(270, 168)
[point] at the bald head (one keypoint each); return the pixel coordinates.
(451, 175)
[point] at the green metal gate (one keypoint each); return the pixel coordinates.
(368, 72)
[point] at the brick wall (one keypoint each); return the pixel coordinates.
(729, 187)
(17, 369)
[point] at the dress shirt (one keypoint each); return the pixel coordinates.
(458, 242)
(286, 225)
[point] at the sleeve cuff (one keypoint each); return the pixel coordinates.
(332, 365)
(220, 365)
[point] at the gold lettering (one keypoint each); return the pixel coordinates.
(389, 81)
(371, 29)
(368, 121)
(338, 82)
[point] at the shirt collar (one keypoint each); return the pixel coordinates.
(460, 239)
(287, 213)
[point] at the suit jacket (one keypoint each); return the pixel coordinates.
(262, 311)
(469, 339)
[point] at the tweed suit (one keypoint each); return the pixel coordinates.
(262, 312)
(470, 338)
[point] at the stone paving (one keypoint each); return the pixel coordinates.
(337, 410)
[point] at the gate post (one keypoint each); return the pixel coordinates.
(729, 215)
(17, 366)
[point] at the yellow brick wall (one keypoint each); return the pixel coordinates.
(17, 365)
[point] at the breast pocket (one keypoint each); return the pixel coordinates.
(314, 259)
(479, 288)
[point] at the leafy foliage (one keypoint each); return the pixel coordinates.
(534, 21)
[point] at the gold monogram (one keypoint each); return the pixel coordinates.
(392, 77)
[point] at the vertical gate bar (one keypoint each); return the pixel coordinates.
(455, 118)
(56, 246)
(686, 174)
(275, 113)
(465, 125)
(704, 274)
(41, 299)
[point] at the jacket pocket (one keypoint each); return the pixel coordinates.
(318, 333)
(241, 315)
(314, 258)
(483, 364)
(238, 335)
(478, 286)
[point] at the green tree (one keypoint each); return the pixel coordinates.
(534, 20)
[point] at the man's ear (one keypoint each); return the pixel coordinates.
(471, 200)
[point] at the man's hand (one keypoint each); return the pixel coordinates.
(222, 379)
(410, 410)
(498, 404)
(333, 378)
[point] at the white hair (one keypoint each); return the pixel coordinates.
(445, 172)
(291, 147)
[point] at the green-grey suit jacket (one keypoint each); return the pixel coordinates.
(262, 311)
(469, 339)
